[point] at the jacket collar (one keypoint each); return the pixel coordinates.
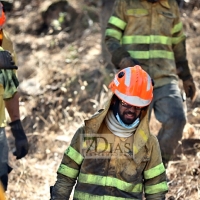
(93, 124)
(164, 3)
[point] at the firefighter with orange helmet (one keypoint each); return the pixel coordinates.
(114, 156)
(6, 67)
(9, 99)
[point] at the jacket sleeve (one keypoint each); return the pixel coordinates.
(179, 47)
(115, 27)
(155, 184)
(68, 170)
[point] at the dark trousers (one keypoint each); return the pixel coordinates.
(4, 167)
(169, 111)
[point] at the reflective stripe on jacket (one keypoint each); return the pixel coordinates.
(152, 33)
(127, 176)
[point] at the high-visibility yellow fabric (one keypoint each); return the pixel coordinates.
(7, 45)
(155, 171)
(114, 20)
(153, 189)
(110, 182)
(68, 171)
(72, 153)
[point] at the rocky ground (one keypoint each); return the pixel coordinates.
(62, 82)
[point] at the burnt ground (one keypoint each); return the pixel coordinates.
(63, 81)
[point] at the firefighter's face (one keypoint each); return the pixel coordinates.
(128, 113)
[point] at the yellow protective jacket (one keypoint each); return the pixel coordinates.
(152, 33)
(2, 193)
(106, 170)
(7, 45)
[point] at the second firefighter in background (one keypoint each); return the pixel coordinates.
(150, 32)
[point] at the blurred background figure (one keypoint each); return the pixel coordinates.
(9, 99)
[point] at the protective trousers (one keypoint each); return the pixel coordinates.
(4, 168)
(169, 111)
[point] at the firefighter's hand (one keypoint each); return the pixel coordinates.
(6, 61)
(21, 142)
(190, 89)
(122, 59)
(128, 62)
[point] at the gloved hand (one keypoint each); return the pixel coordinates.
(190, 89)
(51, 189)
(21, 142)
(121, 59)
(6, 61)
(128, 62)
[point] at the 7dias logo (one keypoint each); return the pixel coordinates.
(105, 146)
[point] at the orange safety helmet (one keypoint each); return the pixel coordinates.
(133, 85)
(2, 16)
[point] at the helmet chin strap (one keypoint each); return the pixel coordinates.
(152, 1)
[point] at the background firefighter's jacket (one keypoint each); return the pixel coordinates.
(125, 177)
(151, 33)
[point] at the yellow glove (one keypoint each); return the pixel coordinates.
(190, 89)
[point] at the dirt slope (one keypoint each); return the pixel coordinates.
(62, 83)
